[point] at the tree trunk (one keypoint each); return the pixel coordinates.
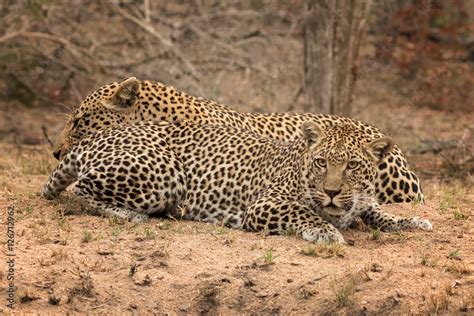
(333, 31)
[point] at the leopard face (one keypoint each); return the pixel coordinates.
(107, 106)
(118, 103)
(342, 168)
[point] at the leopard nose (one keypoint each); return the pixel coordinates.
(57, 154)
(332, 193)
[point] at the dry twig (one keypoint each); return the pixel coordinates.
(74, 49)
(150, 29)
(233, 50)
(46, 136)
(146, 4)
(294, 99)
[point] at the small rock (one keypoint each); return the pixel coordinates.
(144, 282)
(375, 267)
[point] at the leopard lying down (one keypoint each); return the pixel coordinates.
(133, 101)
(313, 186)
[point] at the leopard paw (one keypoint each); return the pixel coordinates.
(421, 223)
(318, 235)
(47, 194)
(139, 218)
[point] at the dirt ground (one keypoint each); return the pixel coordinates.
(67, 260)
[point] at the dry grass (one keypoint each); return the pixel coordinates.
(375, 234)
(460, 215)
(439, 302)
(268, 257)
(323, 250)
(27, 161)
(343, 289)
(427, 261)
(83, 288)
(452, 197)
(459, 162)
(458, 268)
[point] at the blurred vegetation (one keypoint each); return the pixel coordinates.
(56, 51)
(432, 45)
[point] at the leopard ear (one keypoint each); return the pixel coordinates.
(312, 133)
(379, 148)
(125, 96)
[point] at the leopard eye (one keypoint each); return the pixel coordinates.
(353, 164)
(321, 162)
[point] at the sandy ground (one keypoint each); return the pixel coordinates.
(67, 260)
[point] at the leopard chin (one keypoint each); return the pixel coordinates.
(333, 210)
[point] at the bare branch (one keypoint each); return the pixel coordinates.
(233, 50)
(78, 51)
(9, 36)
(146, 4)
(46, 136)
(294, 99)
(168, 44)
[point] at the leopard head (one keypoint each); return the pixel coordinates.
(341, 168)
(110, 105)
(119, 103)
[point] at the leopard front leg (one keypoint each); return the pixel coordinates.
(278, 215)
(64, 174)
(378, 219)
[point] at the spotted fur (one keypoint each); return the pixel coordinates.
(132, 100)
(315, 185)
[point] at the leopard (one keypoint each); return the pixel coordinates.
(315, 186)
(132, 100)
